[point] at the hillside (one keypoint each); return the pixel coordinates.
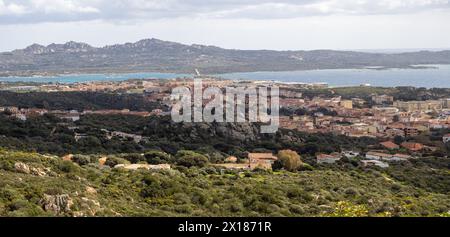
(163, 56)
(36, 185)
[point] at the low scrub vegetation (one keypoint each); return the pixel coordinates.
(193, 188)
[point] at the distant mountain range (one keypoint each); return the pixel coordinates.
(153, 55)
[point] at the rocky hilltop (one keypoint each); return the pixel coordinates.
(165, 56)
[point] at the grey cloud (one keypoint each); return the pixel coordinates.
(32, 11)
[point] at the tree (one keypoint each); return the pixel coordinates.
(396, 118)
(90, 141)
(68, 167)
(81, 159)
(113, 161)
(190, 158)
(134, 158)
(157, 157)
(289, 160)
(309, 148)
(398, 140)
(447, 147)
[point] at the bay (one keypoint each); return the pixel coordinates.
(436, 77)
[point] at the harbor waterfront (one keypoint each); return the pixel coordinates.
(436, 77)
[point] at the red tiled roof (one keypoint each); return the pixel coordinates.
(412, 146)
(390, 145)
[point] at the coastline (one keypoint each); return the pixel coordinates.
(29, 74)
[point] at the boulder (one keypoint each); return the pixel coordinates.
(91, 190)
(58, 204)
(26, 169)
(22, 168)
(89, 207)
(102, 160)
(68, 157)
(37, 171)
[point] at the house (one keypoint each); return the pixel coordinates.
(358, 101)
(393, 132)
(261, 160)
(382, 99)
(20, 116)
(327, 159)
(446, 138)
(412, 146)
(285, 92)
(123, 135)
(34, 112)
(400, 157)
(386, 110)
(410, 131)
(12, 110)
(390, 145)
(348, 104)
(367, 163)
(70, 117)
(157, 112)
(79, 136)
(411, 106)
(350, 154)
(373, 155)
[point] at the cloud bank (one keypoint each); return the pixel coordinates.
(35, 11)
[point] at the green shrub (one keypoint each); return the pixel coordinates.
(134, 158)
(68, 167)
(113, 161)
(190, 159)
(81, 159)
(157, 157)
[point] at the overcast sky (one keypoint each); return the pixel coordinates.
(242, 24)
